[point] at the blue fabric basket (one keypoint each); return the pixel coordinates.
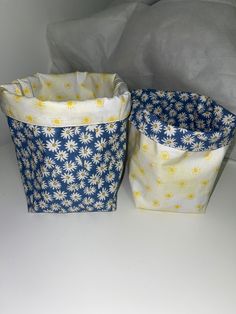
(70, 135)
(70, 169)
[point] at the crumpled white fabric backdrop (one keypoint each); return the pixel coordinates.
(168, 44)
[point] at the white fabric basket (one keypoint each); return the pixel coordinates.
(177, 144)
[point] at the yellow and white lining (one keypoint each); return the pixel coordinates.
(168, 179)
(73, 99)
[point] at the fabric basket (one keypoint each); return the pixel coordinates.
(70, 134)
(177, 143)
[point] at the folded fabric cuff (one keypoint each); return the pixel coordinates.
(61, 100)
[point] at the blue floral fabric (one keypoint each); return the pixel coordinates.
(70, 169)
(185, 121)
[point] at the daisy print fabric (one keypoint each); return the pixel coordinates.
(70, 134)
(176, 146)
(70, 169)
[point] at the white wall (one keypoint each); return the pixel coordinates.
(23, 47)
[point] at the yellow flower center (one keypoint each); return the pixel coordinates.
(56, 121)
(17, 98)
(204, 182)
(191, 196)
(200, 207)
(165, 155)
(142, 171)
(9, 112)
(70, 104)
(99, 102)
(29, 118)
(123, 100)
(49, 84)
(208, 155)
(26, 91)
(67, 85)
(177, 206)
(86, 120)
(39, 104)
(169, 195)
(155, 203)
(171, 170)
(112, 119)
(145, 147)
(18, 91)
(196, 170)
(137, 194)
(182, 184)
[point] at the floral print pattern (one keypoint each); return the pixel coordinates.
(168, 179)
(70, 169)
(186, 121)
(177, 142)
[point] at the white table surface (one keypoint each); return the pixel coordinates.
(128, 261)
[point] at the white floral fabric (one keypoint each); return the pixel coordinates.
(177, 143)
(61, 100)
